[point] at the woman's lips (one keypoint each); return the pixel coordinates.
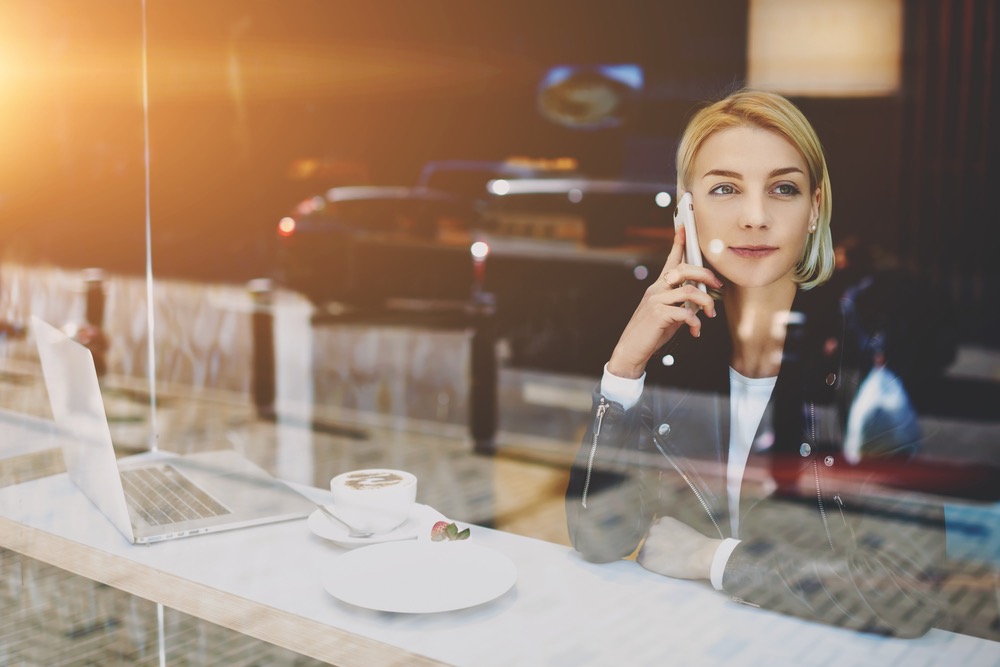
(753, 251)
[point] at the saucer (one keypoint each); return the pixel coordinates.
(421, 517)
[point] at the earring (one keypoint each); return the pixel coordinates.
(812, 228)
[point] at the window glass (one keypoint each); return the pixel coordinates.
(337, 236)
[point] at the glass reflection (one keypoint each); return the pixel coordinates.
(255, 110)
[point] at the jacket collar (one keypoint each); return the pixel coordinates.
(814, 342)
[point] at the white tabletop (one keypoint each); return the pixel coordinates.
(266, 581)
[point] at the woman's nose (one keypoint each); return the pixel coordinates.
(754, 212)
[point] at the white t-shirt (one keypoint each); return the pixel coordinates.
(748, 401)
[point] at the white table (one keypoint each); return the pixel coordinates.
(265, 582)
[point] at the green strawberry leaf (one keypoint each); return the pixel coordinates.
(464, 535)
(452, 531)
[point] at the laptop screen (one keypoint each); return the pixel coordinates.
(78, 410)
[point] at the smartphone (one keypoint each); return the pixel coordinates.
(684, 217)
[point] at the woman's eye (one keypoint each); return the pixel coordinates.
(786, 189)
(724, 189)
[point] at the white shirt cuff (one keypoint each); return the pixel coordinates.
(719, 560)
(622, 390)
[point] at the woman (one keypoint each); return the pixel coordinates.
(734, 473)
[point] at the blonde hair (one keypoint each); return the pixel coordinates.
(772, 112)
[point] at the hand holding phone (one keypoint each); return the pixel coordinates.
(684, 217)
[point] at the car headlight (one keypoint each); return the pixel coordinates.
(286, 226)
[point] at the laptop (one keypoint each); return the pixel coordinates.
(163, 496)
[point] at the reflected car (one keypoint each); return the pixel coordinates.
(594, 212)
(569, 260)
(373, 246)
(562, 261)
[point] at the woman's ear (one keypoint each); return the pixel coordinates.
(814, 211)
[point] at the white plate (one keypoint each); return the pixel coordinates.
(421, 517)
(419, 576)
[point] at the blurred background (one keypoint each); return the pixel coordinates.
(334, 233)
(446, 211)
(236, 131)
(256, 105)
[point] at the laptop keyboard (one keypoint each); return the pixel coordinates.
(162, 495)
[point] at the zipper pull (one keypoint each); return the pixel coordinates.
(599, 419)
(840, 503)
(739, 600)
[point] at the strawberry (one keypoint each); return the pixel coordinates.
(440, 531)
(443, 530)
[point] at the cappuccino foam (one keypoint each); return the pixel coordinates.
(364, 480)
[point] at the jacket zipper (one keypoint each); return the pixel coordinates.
(812, 421)
(819, 493)
(602, 408)
(694, 489)
(822, 510)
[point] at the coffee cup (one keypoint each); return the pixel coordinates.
(375, 500)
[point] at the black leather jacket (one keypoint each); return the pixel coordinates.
(818, 539)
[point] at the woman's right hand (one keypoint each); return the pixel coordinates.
(662, 312)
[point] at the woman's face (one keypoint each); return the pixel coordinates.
(752, 205)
